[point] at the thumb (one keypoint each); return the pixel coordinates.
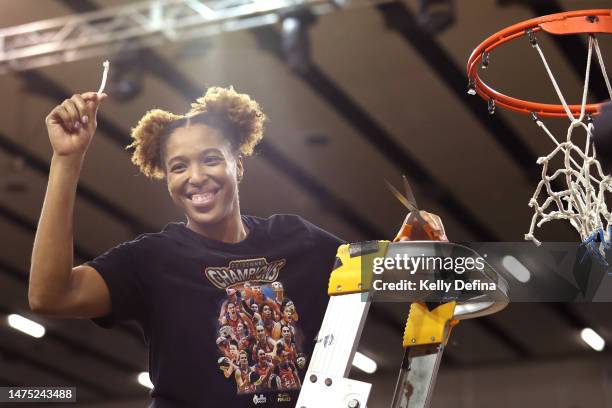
(102, 97)
(98, 99)
(93, 103)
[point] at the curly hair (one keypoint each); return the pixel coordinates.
(237, 115)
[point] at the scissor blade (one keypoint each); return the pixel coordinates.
(409, 193)
(401, 197)
(410, 197)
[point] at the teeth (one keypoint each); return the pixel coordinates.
(201, 198)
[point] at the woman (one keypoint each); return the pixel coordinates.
(191, 285)
(184, 285)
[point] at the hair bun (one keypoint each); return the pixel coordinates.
(239, 116)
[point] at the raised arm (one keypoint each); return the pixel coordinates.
(56, 288)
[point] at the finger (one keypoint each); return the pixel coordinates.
(54, 116)
(94, 100)
(439, 226)
(89, 95)
(99, 99)
(81, 106)
(426, 216)
(431, 219)
(94, 97)
(72, 111)
(437, 222)
(91, 100)
(64, 118)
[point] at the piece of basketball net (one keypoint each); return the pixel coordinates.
(106, 66)
(582, 199)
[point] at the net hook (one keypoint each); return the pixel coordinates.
(485, 59)
(471, 88)
(592, 19)
(532, 38)
(491, 106)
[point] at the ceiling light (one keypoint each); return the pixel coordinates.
(364, 363)
(594, 340)
(516, 268)
(295, 40)
(26, 326)
(144, 380)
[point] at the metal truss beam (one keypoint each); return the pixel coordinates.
(143, 24)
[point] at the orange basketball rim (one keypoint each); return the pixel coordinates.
(571, 22)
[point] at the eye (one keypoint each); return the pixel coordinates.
(177, 168)
(212, 160)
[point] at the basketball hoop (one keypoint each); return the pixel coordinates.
(582, 202)
(570, 22)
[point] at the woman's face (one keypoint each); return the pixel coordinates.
(261, 332)
(202, 174)
(233, 351)
(261, 356)
(231, 309)
(244, 359)
(286, 332)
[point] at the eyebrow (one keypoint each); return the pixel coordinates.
(176, 158)
(202, 153)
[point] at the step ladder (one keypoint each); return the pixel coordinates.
(326, 383)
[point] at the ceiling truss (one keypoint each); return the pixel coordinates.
(138, 25)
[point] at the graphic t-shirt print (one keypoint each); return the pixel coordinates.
(258, 336)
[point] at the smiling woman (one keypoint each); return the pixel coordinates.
(217, 296)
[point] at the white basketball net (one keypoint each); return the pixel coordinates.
(582, 202)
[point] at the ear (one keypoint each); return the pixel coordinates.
(239, 168)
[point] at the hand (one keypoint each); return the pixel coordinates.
(412, 230)
(72, 124)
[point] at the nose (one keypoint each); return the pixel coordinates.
(197, 175)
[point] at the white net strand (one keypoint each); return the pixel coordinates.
(582, 201)
(106, 65)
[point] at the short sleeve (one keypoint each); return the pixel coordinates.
(324, 239)
(121, 269)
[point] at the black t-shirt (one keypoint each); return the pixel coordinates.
(228, 325)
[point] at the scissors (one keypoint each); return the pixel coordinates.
(415, 226)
